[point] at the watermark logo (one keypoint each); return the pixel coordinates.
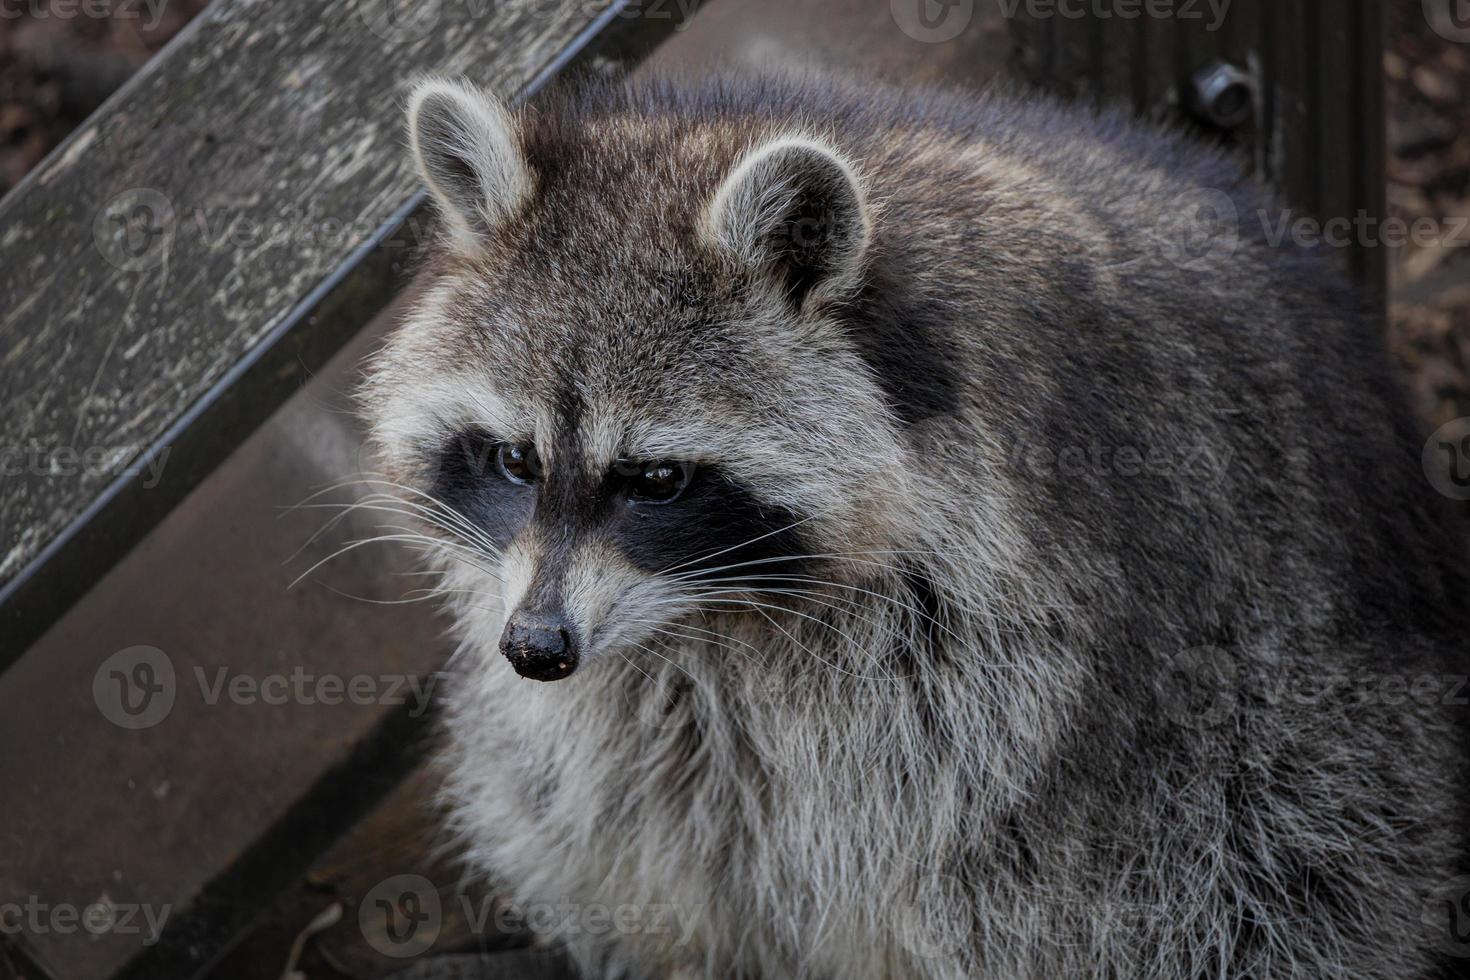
(932, 21)
(138, 688)
(1446, 916)
(53, 462)
(1104, 10)
(404, 915)
(135, 229)
(1446, 459)
(1199, 687)
(1450, 19)
(105, 917)
(398, 21)
(138, 229)
(937, 922)
(135, 688)
(674, 923)
(148, 11)
(1097, 462)
(1199, 230)
(663, 707)
(401, 916)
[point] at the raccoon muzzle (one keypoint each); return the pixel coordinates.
(540, 646)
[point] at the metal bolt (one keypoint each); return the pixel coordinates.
(1222, 95)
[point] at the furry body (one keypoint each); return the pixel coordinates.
(1088, 557)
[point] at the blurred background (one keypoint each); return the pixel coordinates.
(223, 816)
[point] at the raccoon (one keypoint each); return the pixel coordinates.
(902, 534)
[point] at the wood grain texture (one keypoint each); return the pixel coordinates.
(205, 209)
(1317, 133)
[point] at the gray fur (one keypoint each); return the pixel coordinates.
(968, 748)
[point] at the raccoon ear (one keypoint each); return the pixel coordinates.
(795, 209)
(467, 150)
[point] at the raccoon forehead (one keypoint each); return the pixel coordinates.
(646, 383)
(418, 413)
(627, 357)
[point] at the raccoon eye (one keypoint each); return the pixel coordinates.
(658, 483)
(518, 464)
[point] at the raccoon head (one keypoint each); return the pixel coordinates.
(626, 394)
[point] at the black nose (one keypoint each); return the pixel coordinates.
(539, 646)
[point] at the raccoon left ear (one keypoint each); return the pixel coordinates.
(794, 208)
(468, 151)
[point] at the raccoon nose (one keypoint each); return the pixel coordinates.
(539, 645)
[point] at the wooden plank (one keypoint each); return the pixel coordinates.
(1317, 132)
(1298, 137)
(1368, 134)
(1334, 177)
(1032, 52)
(1073, 40)
(209, 238)
(1161, 83)
(1243, 42)
(1114, 54)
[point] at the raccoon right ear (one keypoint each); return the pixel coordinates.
(794, 208)
(467, 150)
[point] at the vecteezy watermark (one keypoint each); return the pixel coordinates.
(1199, 229)
(1097, 460)
(1198, 686)
(1203, 229)
(134, 230)
(1450, 19)
(139, 229)
(149, 11)
(135, 688)
(1386, 689)
(402, 21)
(570, 919)
(943, 917)
(66, 461)
(1445, 915)
(664, 705)
(1446, 459)
(101, 918)
(402, 916)
(937, 919)
(1362, 230)
(138, 687)
(399, 21)
(932, 21)
(1203, 686)
(1213, 12)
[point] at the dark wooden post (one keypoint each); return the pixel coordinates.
(1307, 75)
